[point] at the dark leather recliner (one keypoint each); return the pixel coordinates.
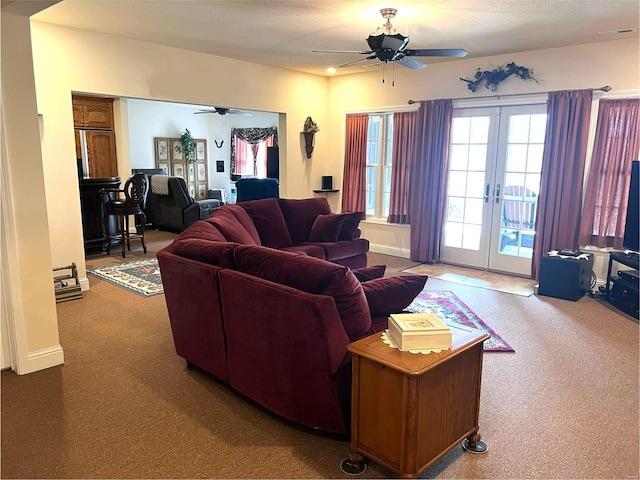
(176, 209)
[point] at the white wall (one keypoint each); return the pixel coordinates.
(148, 119)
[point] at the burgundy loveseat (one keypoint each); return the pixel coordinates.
(259, 308)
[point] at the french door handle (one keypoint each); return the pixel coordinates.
(487, 188)
(498, 190)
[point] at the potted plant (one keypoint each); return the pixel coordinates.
(188, 146)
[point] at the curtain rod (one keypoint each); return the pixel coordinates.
(605, 88)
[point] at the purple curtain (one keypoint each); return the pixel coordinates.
(562, 173)
(429, 178)
(605, 201)
(354, 178)
(404, 124)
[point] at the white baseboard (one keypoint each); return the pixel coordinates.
(387, 250)
(45, 358)
(84, 284)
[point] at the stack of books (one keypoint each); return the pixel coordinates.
(419, 331)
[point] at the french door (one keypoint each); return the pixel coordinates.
(495, 159)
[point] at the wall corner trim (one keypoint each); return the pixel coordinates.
(45, 358)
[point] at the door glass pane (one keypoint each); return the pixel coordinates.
(455, 209)
(471, 237)
(457, 184)
(453, 234)
(458, 157)
(516, 158)
(477, 157)
(518, 129)
(460, 130)
(473, 211)
(479, 130)
(475, 184)
(538, 128)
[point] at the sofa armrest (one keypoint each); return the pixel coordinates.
(206, 207)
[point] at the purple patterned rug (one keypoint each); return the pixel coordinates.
(450, 309)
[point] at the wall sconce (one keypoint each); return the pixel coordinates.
(309, 131)
(309, 138)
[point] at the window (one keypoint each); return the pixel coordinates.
(250, 163)
(379, 155)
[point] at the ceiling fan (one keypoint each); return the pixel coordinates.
(390, 47)
(224, 111)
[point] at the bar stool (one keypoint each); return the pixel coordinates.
(135, 195)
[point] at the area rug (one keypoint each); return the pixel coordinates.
(140, 276)
(450, 309)
(475, 278)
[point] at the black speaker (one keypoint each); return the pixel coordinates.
(568, 278)
(273, 162)
(327, 182)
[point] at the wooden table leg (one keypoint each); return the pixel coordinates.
(473, 444)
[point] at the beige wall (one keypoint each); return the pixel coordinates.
(613, 63)
(26, 260)
(68, 60)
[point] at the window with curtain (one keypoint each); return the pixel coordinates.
(249, 150)
(378, 159)
(379, 164)
(615, 146)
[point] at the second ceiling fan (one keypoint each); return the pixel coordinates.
(390, 47)
(224, 111)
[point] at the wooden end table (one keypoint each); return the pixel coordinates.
(408, 409)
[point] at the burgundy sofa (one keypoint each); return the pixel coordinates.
(252, 301)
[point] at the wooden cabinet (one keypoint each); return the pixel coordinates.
(95, 138)
(101, 153)
(93, 113)
(410, 409)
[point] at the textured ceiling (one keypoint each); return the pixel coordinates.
(284, 33)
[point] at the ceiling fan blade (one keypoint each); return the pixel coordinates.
(436, 52)
(356, 61)
(342, 51)
(204, 111)
(410, 63)
(238, 112)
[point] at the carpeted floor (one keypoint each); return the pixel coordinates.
(450, 309)
(124, 405)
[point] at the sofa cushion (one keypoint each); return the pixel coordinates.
(310, 249)
(349, 229)
(269, 222)
(392, 294)
(203, 230)
(207, 251)
(311, 275)
(235, 224)
(369, 273)
(339, 250)
(300, 215)
(326, 228)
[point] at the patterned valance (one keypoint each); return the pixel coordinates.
(250, 136)
(255, 135)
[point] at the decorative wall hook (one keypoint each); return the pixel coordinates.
(216, 142)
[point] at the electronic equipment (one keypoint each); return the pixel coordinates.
(327, 182)
(632, 225)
